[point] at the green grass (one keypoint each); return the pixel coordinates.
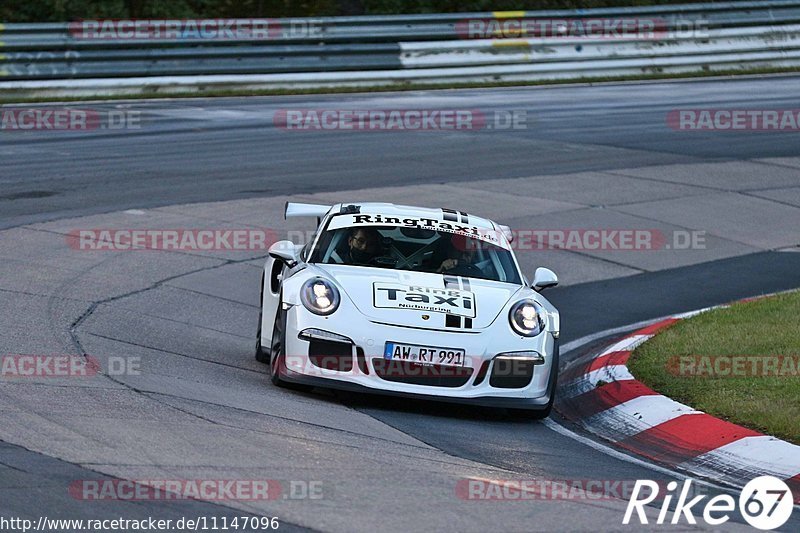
(10, 97)
(770, 326)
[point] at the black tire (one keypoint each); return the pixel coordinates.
(530, 414)
(277, 348)
(261, 355)
(278, 351)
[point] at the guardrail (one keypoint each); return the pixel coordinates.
(89, 58)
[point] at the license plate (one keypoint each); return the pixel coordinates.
(425, 355)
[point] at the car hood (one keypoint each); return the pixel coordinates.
(419, 299)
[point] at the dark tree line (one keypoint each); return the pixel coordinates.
(67, 10)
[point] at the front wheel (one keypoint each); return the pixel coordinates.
(278, 359)
(261, 355)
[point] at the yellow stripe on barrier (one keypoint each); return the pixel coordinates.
(508, 14)
(2, 27)
(510, 42)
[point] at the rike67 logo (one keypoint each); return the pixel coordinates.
(765, 503)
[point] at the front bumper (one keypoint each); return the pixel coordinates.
(476, 384)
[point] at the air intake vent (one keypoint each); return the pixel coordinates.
(511, 374)
(331, 355)
(428, 375)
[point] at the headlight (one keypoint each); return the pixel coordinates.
(527, 318)
(319, 296)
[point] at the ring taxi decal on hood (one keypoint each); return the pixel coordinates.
(437, 300)
(452, 321)
(465, 286)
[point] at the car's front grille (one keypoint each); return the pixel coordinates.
(331, 355)
(415, 374)
(511, 374)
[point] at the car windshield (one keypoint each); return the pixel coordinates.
(416, 250)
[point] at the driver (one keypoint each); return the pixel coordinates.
(364, 246)
(463, 256)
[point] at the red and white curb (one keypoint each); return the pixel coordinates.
(605, 399)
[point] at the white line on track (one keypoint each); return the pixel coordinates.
(558, 428)
(608, 450)
(573, 345)
(562, 430)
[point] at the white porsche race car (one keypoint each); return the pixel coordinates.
(427, 303)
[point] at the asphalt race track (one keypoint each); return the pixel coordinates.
(202, 408)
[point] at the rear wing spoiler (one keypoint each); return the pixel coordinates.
(507, 232)
(305, 210)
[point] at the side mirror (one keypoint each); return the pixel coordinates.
(285, 251)
(544, 278)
